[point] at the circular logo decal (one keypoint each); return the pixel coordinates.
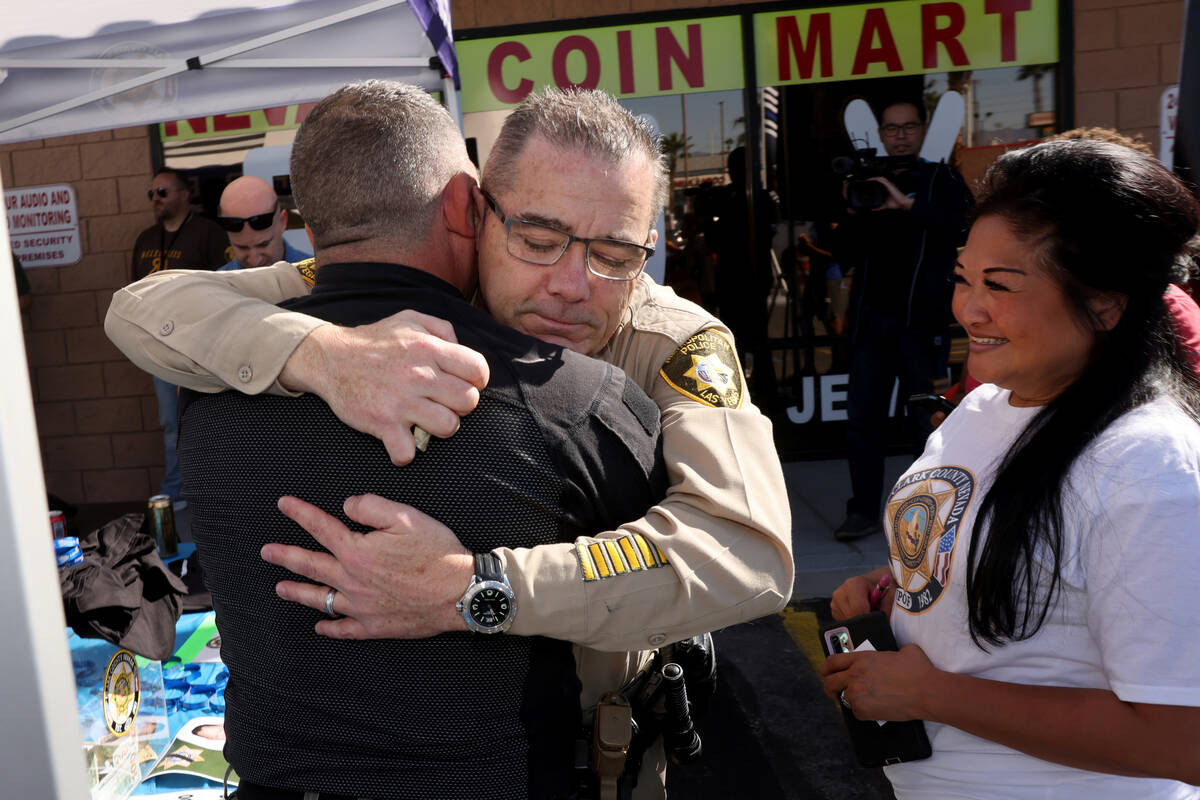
(923, 517)
(159, 93)
(122, 693)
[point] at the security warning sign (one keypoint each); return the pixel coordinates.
(43, 225)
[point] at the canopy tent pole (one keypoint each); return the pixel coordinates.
(41, 753)
(450, 100)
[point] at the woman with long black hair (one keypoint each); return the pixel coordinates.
(1045, 548)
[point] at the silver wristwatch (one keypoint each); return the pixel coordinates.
(488, 605)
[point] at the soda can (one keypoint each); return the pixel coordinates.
(58, 524)
(162, 524)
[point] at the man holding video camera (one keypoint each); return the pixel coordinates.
(905, 220)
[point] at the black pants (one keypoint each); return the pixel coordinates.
(884, 349)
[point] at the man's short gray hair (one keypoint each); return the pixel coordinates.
(577, 119)
(371, 160)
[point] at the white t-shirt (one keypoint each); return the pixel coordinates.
(1126, 617)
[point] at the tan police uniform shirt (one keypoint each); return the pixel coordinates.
(715, 552)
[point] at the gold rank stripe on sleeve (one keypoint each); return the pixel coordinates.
(307, 269)
(706, 369)
(608, 558)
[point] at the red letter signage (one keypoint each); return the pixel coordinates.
(625, 61)
(495, 72)
(876, 22)
(690, 64)
(1007, 9)
(932, 35)
(818, 39)
(591, 56)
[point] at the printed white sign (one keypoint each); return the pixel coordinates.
(43, 225)
(1168, 112)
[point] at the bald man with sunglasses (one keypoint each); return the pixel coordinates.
(251, 216)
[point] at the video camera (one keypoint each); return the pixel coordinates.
(862, 193)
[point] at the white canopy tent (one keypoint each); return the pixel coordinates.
(72, 66)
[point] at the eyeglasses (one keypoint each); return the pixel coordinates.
(892, 130)
(534, 243)
(259, 222)
(161, 191)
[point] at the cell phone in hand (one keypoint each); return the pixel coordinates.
(875, 744)
(931, 403)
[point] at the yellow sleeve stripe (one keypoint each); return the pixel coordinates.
(585, 563)
(647, 556)
(631, 554)
(614, 555)
(597, 553)
(610, 557)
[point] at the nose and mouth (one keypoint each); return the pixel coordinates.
(556, 326)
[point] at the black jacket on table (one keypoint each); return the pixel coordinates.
(902, 260)
(559, 446)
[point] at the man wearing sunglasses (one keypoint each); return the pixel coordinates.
(563, 227)
(250, 214)
(179, 239)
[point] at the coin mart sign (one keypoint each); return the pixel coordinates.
(838, 43)
(43, 225)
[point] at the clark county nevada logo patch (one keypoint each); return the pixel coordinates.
(706, 369)
(923, 516)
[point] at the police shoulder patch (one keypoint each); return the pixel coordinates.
(706, 369)
(307, 269)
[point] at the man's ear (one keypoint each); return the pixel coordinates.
(1107, 308)
(458, 206)
(653, 236)
(480, 205)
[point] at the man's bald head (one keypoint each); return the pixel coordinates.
(246, 204)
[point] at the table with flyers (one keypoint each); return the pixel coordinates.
(154, 729)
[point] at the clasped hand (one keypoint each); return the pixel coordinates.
(386, 377)
(400, 581)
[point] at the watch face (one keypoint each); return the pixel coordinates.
(489, 607)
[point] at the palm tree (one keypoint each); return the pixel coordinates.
(1035, 72)
(675, 146)
(740, 122)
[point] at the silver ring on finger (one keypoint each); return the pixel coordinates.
(842, 697)
(329, 604)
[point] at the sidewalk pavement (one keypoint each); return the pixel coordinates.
(818, 491)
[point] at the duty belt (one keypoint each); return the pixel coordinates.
(660, 700)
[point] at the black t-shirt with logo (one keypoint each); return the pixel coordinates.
(199, 243)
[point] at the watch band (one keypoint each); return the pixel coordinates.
(488, 567)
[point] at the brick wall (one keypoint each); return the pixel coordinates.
(96, 412)
(1126, 54)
